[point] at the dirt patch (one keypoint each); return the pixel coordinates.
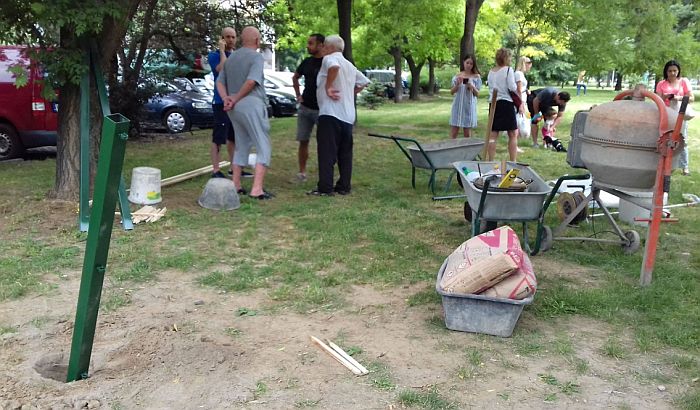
(178, 345)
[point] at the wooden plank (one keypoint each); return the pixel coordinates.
(191, 174)
(336, 356)
(347, 357)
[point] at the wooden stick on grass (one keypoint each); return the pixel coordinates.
(347, 357)
(337, 356)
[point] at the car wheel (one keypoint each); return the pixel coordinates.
(176, 120)
(10, 144)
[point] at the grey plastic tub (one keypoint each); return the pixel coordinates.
(442, 154)
(480, 314)
(504, 206)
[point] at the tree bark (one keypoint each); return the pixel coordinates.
(415, 75)
(471, 12)
(431, 76)
(398, 86)
(344, 26)
(67, 183)
(618, 83)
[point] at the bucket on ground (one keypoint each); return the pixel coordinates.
(145, 186)
(630, 210)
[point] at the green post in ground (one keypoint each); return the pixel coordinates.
(115, 131)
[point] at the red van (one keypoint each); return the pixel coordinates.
(27, 120)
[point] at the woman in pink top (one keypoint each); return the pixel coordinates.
(672, 89)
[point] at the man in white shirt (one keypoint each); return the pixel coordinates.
(337, 83)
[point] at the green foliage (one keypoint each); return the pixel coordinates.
(373, 96)
(432, 399)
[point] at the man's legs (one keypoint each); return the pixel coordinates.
(306, 119)
(222, 127)
(303, 155)
(345, 144)
(326, 136)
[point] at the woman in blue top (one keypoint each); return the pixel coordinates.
(465, 87)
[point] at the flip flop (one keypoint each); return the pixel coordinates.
(263, 197)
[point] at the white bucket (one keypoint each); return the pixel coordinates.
(629, 210)
(145, 186)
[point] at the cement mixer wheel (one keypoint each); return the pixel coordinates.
(565, 206)
(633, 242)
(580, 198)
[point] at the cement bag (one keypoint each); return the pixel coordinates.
(482, 274)
(519, 285)
(482, 246)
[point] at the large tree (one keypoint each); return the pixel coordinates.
(61, 26)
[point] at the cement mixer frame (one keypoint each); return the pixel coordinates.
(667, 143)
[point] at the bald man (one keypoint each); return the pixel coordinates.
(241, 87)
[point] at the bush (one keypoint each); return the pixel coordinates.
(372, 96)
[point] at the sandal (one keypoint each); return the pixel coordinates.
(263, 197)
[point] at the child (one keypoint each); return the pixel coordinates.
(548, 137)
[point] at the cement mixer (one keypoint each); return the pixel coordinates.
(628, 147)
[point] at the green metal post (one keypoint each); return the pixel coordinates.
(92, 61)
(84, 205)
(109, 168)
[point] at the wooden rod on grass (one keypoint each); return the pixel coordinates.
(337, 356)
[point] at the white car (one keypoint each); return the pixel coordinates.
(281, 81)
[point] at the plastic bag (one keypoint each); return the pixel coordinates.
(523, 125)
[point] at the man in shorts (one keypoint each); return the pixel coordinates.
(223, 130)
(307, 115)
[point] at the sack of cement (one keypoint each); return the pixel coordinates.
(481, 275)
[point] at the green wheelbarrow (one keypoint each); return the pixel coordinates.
(435, 156)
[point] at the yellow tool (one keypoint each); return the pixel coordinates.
(509, 178)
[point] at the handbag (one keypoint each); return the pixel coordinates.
(517, 101)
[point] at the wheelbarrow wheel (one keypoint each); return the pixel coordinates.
(547, 239)
(467, 212)
(633, 242)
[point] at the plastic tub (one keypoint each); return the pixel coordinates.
(480, 314)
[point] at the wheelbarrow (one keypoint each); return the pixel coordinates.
(435, 156)
(488, 205)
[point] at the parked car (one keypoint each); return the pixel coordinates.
(386, 78)
(281, 103)
(178, 107)
(27, 120)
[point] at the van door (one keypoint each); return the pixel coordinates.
(44, 112)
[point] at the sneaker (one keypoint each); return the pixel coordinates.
(519, 150)
(316, 192)
(536, 145)
(301, 176)
(218, 174)
(341, 191)
(686, 171)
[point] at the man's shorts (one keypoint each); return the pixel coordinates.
(223, 130)
(306, 119)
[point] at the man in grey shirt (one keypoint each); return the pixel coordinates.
(241, 87)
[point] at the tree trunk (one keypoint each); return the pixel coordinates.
(471, 12)
(415, 77)
(67, 183)
(398, 86)
(431, 76)
(618, 83)
(344, 26)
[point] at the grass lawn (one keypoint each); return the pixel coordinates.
(304, 252)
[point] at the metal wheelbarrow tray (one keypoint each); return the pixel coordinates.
(435, 155)
(492, 206)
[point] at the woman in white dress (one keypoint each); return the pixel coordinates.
(465, 87)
